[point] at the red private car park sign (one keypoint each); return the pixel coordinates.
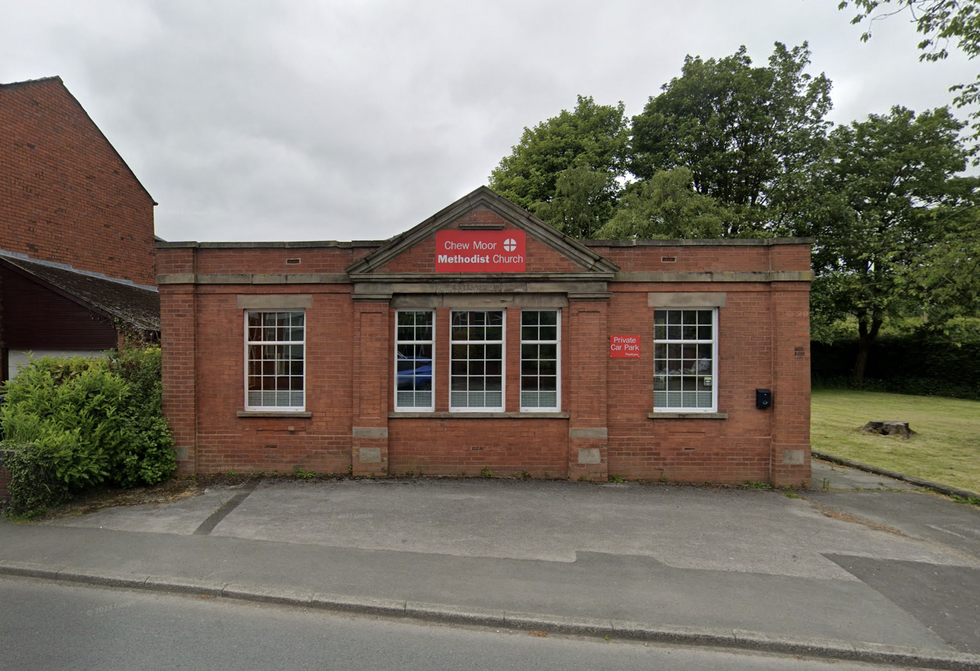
(624, 347)
(480, 251)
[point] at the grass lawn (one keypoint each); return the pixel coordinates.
(944, 449)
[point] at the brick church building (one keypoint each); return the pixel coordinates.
(484, 342)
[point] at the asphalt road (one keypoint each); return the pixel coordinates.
(66, 627)
(881, 567)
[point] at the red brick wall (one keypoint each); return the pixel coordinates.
(320, 443)
(735, 449)
(178, 319)
(694, 258)
(66, 195)
(271, 261)
(460, 447)
(763, 328)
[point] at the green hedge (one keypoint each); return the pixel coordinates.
(78, 423)
(925, 363)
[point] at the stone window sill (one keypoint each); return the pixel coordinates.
(288, 414)
(687, 415)
(478, 415)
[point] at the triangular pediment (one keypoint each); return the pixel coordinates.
(482, 213)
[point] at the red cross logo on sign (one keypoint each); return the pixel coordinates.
(510, 244)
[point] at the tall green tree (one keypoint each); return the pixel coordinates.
(666, 206)
(881, 196)
(939, 22)
(583, 201)
(584, 149)
(949, 281)
(747, 133)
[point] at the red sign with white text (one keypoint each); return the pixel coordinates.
(624, 347)
(480, 251)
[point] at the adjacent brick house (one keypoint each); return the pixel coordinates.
(77, 256)
(482, 340)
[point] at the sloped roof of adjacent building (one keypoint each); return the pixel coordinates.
(135, 305)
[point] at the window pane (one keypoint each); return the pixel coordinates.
(275, 353)
(413, 359)
(539, 361)
(683, 366)
(476, 359)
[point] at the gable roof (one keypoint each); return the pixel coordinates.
(484, 199)
(135, 305)
(57, 82)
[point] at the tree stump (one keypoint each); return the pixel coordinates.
(899, 429)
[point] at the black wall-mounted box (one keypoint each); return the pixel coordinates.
(763, 399)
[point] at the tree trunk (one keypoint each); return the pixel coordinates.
(866, 338)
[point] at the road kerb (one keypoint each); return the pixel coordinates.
(618, 629)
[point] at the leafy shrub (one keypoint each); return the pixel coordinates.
(147, 456)
(32, 491)
(88, 422)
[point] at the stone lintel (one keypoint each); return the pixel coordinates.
(414, 284)
(275, 301)
(686, 300)
(473, 301)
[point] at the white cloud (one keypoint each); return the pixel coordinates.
(336, 120)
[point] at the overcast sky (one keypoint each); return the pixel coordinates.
(357, 119)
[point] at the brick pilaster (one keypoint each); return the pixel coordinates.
(371, 385)
(179, 312)
(790, 451)
(178, 307)
(588, 351)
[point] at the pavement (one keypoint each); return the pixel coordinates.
(862, 567)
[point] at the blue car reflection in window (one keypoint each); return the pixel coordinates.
(414, 373)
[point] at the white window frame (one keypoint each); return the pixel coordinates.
(557, 343)
(432, 344)
(275, 343)
(662, 376)
(503, 361)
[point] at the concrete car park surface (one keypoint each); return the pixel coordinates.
(834, 572)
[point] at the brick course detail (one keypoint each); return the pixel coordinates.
(606, 425)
